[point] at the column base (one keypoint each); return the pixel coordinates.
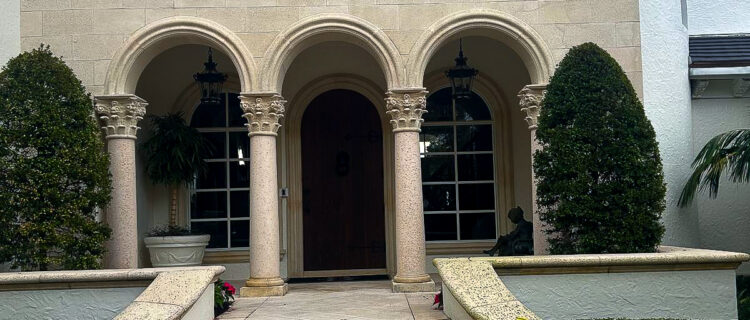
(406, 287)
(271, 291)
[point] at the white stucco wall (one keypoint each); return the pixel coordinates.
(10, 29)
(104, 303)
(717, 17)
(724, 221)
(664, 41)
(708, 294)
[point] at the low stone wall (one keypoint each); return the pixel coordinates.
(156, 293)
(675, 282)
(472, 290)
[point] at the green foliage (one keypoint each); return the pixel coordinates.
(743, 297)
(601, 187)
(53, 170)
(729, 150)
(223, 297)
(174, 153)
(168, 231)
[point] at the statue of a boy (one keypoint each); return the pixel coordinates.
(519, 242)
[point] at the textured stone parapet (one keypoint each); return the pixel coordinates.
(472, 290)
(406, 106)
(178, 294)
(667, 258)
(263, 113)
(119, 114)
(91, 278)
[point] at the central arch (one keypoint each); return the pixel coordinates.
(148, 42)
(329, 27)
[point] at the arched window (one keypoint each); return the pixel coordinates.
(219, 200)
(458, 179)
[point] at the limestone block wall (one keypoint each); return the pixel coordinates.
(10, 29)
(87, 33)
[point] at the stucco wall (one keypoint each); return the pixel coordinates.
(637, 295)
(666, 92)
(10, 29)
(717, 17)
(724, 221)
(74, 304)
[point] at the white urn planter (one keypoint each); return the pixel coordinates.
(173, 251)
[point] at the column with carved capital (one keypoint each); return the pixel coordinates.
(405, 107)
(263, 113)
(530, 100)
(119, 116)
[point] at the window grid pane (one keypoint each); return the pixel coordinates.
(229, 165)
(475, 173)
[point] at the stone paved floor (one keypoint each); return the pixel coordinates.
(355, 300)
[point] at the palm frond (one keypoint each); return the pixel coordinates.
(730, 152)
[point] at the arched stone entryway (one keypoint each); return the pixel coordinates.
(121, 109)
(514, 65)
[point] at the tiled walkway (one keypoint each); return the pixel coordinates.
(356, 300)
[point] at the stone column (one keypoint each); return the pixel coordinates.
(263, 112)
(531, 97)
(406, 106)
(119, 116)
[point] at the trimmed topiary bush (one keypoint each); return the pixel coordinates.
(53, 168)
(601, 187)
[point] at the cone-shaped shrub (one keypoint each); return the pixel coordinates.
(600, 182)
(53, 168)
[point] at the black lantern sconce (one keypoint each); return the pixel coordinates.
(211, 81)
(461, 75)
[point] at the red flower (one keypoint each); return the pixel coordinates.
(229, 288)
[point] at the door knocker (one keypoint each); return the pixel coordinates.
(342, 163)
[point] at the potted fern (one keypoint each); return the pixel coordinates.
(174, 156)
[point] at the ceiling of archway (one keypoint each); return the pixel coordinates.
(170, 73)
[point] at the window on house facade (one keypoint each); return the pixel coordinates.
(458, 179)
(219, 200)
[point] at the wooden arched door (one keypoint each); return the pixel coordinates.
(342, 183)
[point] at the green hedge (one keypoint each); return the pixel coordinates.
(601, 187)
(53, 167)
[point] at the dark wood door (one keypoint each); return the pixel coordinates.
(342, 182)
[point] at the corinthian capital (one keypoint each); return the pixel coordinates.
(531, 97)
(406, 108)
(119, 114)
(263, 113)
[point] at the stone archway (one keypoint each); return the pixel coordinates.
(148, 42)
(329, 27)
(532, 52)
(120, 110)
(489, 23)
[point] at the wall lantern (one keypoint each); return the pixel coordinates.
(461, 75)
(210, 81)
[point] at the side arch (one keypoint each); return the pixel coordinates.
(329, 27)
(511, 31)
(146, 43)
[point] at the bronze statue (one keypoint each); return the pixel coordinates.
(519, 242)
